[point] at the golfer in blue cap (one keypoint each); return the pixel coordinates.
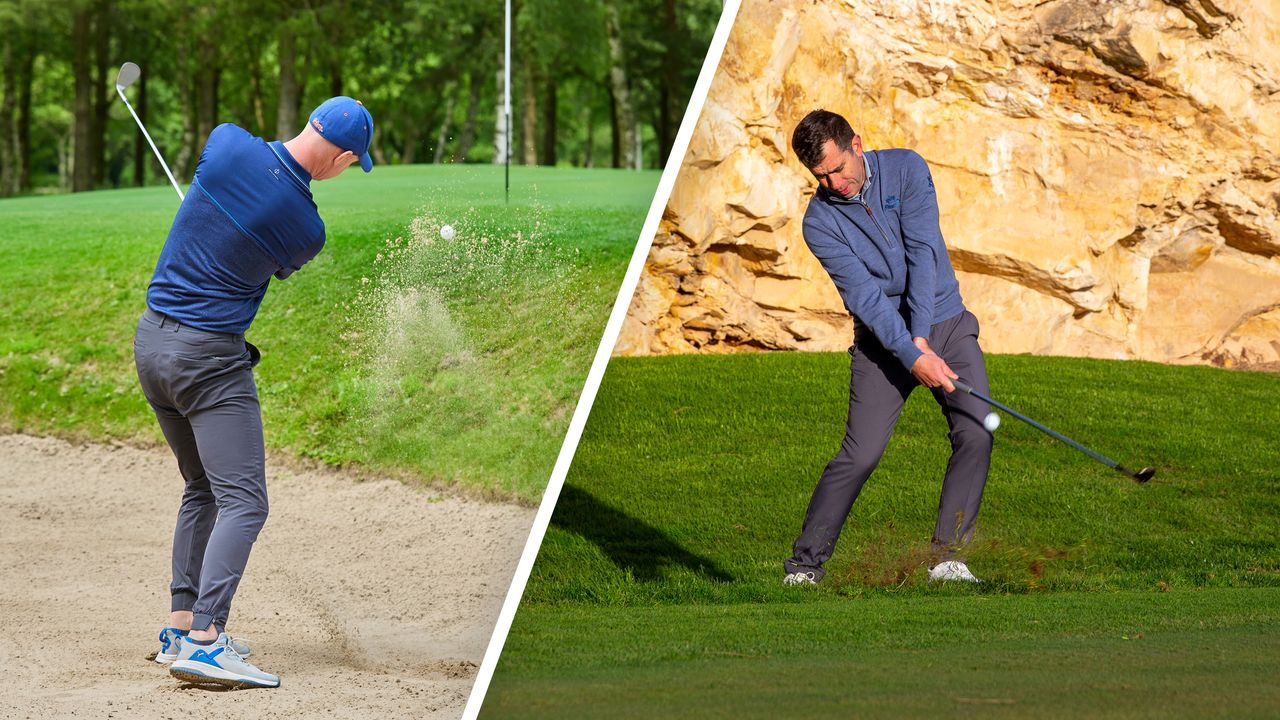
(248, 217)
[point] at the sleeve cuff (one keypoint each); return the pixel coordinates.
(907, 354)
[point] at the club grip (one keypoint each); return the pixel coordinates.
(962, 385)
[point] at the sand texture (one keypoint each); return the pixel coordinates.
(369, 598)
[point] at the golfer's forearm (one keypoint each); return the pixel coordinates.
(862, 295)
(882, 318)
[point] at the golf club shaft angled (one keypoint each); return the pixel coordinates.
(147, 135)
(1044, 429)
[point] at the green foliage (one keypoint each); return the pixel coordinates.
(526, 289)
(658, 586)
(418, 65)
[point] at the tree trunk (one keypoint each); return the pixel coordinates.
(668, 96)
(184, 164)
(255, 95)
(208, 74)
(626, 118)
(65, 159)
(287, 108)
(615, 147)
(588, 156)
(528, 120)
(26, 75)
(8, 146)
(140, 143)
(442, 137)
(101, 61)
(637, 149)
(335, 79)
(549, 123)
(410, 144)
(501, 128)
(468, 136)
(82, 108)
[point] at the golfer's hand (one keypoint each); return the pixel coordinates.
(932, 371)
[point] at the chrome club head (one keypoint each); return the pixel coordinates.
(128, 75)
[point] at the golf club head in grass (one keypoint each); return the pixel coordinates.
(128, 75)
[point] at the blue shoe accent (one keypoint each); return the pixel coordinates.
(167, 637)
(170, 641)
(207, 657)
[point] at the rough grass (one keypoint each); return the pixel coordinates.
(495, 329)
(659, 581)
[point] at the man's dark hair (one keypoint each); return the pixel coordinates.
(815, 130)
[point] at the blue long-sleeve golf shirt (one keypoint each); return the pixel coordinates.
(248, 216)
(884, 251)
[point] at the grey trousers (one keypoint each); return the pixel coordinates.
(200, 385)
(878, 389)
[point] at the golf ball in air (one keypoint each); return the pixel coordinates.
(991, 422)
(447, 232)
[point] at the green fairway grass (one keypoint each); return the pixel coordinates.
(456, 361)
(1200, 654)
(657, 591)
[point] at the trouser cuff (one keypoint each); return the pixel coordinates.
(791, 566)
(201, 621)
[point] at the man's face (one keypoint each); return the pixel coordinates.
(841, 171)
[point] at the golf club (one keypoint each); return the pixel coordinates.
(1141, 476)
(129, 73)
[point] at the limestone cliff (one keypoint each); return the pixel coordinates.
(1107, 174)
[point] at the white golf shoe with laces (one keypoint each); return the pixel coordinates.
(951, 571)
(800, 578)
(218, 662)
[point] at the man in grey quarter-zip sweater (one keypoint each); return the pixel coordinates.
(873, 224)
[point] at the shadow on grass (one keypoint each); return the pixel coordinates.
(629, 543)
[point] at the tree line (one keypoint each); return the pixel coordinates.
(594, 83)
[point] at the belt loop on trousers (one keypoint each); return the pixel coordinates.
(160, 319)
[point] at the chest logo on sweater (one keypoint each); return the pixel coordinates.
(891, 202)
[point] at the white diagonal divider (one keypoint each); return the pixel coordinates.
(601, 361)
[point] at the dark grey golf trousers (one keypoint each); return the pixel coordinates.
(200, 384)
(878, 388)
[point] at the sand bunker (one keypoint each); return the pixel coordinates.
(369, 599)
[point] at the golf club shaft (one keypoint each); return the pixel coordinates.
(147, 135)
(1046, 430)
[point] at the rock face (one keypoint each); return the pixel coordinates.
(1107, 174)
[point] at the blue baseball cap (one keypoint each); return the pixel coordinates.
(345, 122)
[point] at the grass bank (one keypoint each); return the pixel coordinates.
(455, 361)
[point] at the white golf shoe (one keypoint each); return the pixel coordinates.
(951, 571)
(171, 640)
(218, 662)
(800, 578)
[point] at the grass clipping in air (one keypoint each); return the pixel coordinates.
(462, 350)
